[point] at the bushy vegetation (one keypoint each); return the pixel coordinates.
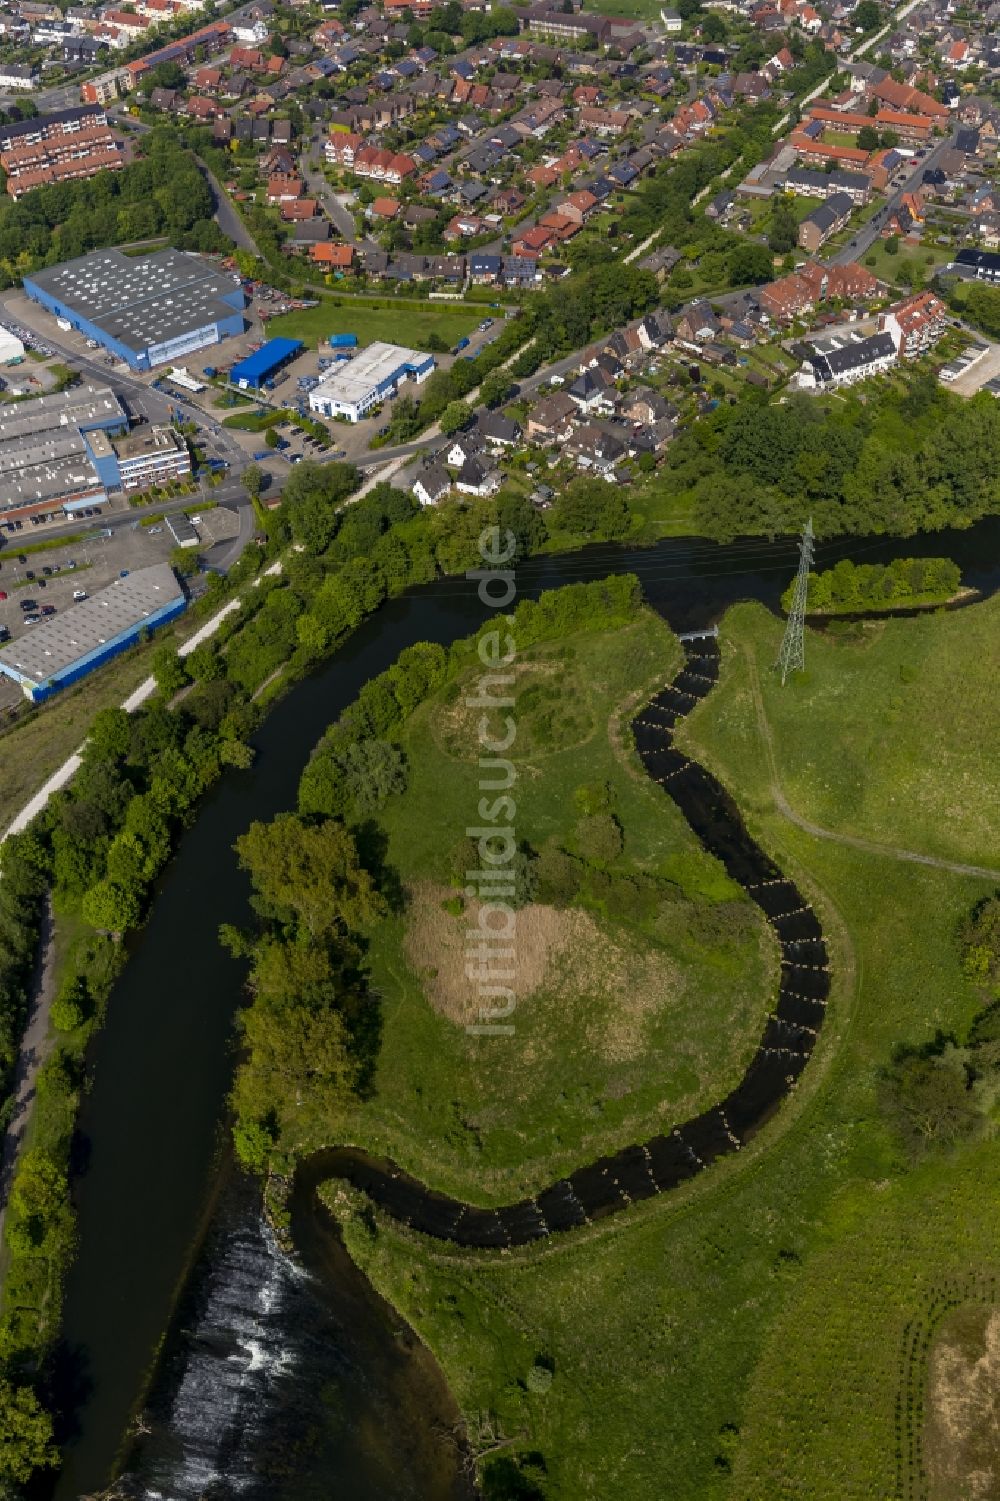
(897, 461)
(162, 193)
(849, 587)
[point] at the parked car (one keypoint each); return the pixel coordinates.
(28, 573)
(29, 604)
(79, 594)
(32, 619)
(47, 610)
(3, 593)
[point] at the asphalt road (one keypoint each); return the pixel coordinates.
(342, 218)
(870, 231)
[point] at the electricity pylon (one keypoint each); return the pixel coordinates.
(792, 656)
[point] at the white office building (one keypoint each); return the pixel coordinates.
(353, 387)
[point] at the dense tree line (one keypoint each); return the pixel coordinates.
(872, 586)
(888, 462)
(163, 193)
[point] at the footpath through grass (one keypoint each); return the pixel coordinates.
(744, 1337)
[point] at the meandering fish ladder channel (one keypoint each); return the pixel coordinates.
(150, 1125)
(655, 1166)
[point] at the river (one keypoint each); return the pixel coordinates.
(157, 1233)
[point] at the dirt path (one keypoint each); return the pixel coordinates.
(869, 846)
(34, 1050)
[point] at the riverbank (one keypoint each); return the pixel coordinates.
(673, 1334)
(132, 1240)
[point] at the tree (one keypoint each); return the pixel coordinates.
(310, 873)
(373, 771)
(25, 1434)
(271, 437)
(298, 1078)
(928, 1102)
(749, 265)
(892, 245)
(592, 508)
(867, 15)
(253, 480)
(496, 388)
(456, 415)
(184, 560)
(111, 908)
(169, 670)
(311, 499)
(110, 735)
(784, 232)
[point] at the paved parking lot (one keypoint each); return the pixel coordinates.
(98, 560)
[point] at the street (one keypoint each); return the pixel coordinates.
(870, 231)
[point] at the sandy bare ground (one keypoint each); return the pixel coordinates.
(562, 953)
(962, 1438)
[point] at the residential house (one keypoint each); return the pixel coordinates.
(850, 362)
(431, 484)
(825, 220)
(499, 431)
(477, 478)
(551, 417)
(917, 322)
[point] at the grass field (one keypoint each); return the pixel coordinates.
(923, 260)
(407, 324)
(883, 736)
(621, 1025)
(747, 1336)
(31, 750)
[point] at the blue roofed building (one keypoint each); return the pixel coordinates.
(259, 367)
(64, 648)
(147, 310)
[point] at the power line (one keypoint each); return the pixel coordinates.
(792, 655)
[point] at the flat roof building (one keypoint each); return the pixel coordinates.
(148, 310)
(264, 362)
(64, 648)
(352, 388)
(48, 461)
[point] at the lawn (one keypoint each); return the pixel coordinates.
(922, 260)
(34, 747)
(882, 737)
(407, 324)
(748, 1336)
(664, 1009)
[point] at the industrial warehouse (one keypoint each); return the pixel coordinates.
(147, 310)
(352, 389)
(259, 368)
(65, 648)
(66, 451)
